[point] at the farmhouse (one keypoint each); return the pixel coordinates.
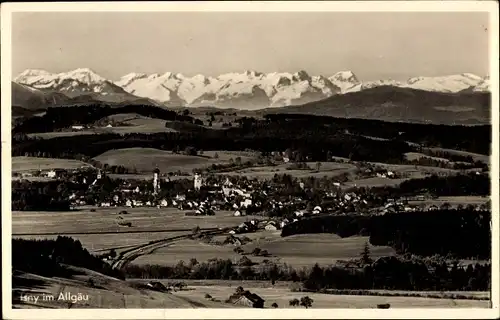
(248, 299)
(51, 174)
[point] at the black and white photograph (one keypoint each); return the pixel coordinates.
(285, 156)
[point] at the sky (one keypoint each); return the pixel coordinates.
(374, 45)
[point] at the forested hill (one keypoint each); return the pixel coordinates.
(401, 104)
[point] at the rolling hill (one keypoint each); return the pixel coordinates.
(401, 104)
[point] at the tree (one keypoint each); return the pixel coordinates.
(193, 262)
(274, 305)
(294, 302)
(256, 251)
(112, 253)
(365, 254)
(196, 230)
(245, 261)
(445, 206)
(190, 151)
(306, 302)
(185, 112)
(318, 166)
(216, 156)
(237, 161)
(239, 290)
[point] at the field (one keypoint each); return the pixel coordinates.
(282, 296)
(147, 224)
(329, 169)
(146, 159)
(20, 164)
(410, 156)
(297, 250)
(131, 124)
(475, 156)
(454, 201)
(373, 182)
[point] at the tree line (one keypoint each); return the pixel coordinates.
(385, 273)
(475, 139)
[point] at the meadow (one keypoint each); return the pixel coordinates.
(20, 164)
(454, 201)
(298, 251)
(282, 296)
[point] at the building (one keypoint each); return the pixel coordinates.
(248, 299)
(77, 128)
(156, 181)
(197, 181)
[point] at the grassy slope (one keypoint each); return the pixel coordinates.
(146, 159)
(107, 293)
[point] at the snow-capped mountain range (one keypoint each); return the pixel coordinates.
(246, 90)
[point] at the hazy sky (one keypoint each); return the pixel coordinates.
(372, 45)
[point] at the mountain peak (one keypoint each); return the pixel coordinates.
(347, 76)
(84, 75)
(301, 75)
(34, 72)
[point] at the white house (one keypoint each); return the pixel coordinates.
(246, 203)
(237, 213)
(51, 174)
(128, 203)
(77, 127)
(299, 213)
(163, 203)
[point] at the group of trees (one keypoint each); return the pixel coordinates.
(393, 273)
(40, 196)
(45, 257)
